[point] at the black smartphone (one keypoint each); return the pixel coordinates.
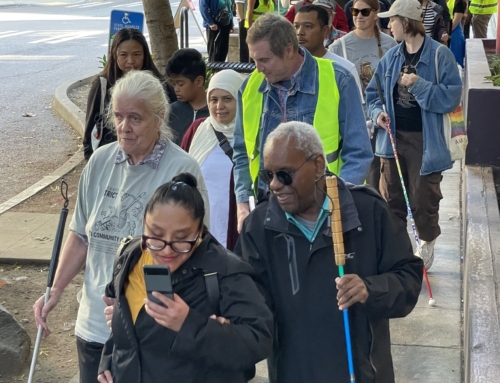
(158, 278)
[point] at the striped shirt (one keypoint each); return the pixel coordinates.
(429, 19)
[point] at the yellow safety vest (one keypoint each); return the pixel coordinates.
(326, 120)
(483, 7)
(260, 10)
(451, 7)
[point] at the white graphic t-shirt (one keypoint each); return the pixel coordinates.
(112, 196)
(363, 53)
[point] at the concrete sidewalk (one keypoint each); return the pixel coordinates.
(28, 237)
(427, 345)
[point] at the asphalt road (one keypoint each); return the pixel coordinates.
(43, 44)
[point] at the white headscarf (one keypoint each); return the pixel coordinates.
(204, 139)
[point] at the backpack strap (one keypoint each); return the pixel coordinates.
(436, 63)
(104, 84)
(123, 245)
(344, 50)
(212, 286)
(224, 144)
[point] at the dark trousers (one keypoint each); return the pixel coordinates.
(244, 55)
(424, 192)
(89, 357)
(373, 178)
(480, 25)
(218, 43)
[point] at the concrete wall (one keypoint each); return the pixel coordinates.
(481, 276)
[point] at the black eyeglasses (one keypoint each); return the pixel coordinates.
(365, 11)
(285, 177)
(158, 244)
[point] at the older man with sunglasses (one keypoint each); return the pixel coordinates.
(288, 241)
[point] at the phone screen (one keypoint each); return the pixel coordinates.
(158, 278)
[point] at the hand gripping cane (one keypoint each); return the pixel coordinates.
(332, 191)
(52, 270)
(432, 301)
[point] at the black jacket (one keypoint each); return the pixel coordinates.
(203, 350)
(182, 115)
(298, 280)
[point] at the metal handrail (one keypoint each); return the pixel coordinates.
(236, 66)
(184, 28)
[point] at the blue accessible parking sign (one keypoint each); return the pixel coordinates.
(124, 19)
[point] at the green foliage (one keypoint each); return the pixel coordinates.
(495, 70)
(210, 73)
(102, 61)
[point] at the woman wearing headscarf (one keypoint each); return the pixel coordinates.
(210, 142)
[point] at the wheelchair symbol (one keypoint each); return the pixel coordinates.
(125, 19)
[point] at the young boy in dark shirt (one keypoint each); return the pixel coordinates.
(187, 71)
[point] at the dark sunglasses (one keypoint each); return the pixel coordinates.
(364, 12)
(285, 177)
(158, 244)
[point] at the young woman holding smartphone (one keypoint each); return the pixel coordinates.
(184, 340)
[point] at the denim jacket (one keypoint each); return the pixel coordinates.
(300, 105)
(435, 100)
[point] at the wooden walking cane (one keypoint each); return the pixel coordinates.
(332, 190)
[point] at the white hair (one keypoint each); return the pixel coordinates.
(144, 86)
(306, 138)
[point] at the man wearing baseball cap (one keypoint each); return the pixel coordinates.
(420, 83)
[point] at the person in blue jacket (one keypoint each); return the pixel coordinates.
(416, 101)
(218, 20)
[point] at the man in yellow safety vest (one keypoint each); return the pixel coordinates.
(257, 8)
(481, 11)
(289, 84)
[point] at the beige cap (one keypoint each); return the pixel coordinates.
(411, 9)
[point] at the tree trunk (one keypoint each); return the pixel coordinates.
(162, 32)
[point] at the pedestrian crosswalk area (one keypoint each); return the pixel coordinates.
(106, 3)
(112, 4)
(53, 36)
(94, 36)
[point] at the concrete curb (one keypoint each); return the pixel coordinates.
(75, 117)
(481, 276)
(65, 108)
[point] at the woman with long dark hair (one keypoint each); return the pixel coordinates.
(129, 51)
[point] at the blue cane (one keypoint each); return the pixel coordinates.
(332, 191)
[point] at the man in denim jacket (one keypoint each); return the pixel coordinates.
(290, 93)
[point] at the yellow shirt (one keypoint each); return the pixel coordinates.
(135, 287)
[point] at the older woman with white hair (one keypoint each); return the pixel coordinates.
(210, 142)
(114, 188)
